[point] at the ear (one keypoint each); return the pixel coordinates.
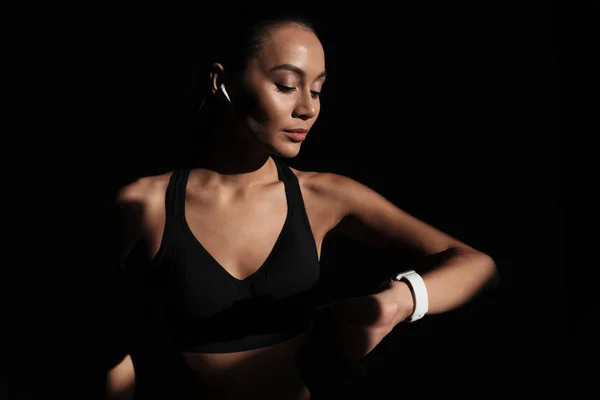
(216, 77)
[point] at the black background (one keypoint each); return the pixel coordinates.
(462, 115)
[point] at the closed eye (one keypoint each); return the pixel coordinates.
(284, 89)
(288, 89)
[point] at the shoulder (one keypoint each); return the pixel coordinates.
(336, 189)
(142, 201)
(138, 207)
(144, 191)
(321, 181)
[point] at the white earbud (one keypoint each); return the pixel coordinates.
(225, 92)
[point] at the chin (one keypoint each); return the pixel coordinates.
(282, 147)
(287, 150)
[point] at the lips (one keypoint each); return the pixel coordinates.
(296, 130)
(297, 135)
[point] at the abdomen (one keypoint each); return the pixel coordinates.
(266, 373)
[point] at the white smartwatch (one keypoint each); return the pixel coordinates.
(419, 293)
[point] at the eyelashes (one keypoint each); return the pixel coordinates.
(284, 89)
(288, 89)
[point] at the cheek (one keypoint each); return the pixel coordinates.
(274, 108)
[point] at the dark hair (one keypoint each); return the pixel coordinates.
(242, 38)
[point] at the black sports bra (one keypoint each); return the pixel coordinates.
(207, 309)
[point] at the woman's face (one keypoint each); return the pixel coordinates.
(283, 83)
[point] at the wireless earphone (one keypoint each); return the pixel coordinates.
(225, 92)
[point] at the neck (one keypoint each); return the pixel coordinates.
(234, 156)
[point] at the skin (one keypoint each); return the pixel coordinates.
(236, 207)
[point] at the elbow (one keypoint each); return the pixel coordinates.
(485, 266)
(491, 275)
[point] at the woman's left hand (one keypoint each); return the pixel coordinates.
(352, 328)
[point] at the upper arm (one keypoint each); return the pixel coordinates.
(129, 211)
(126, 232)
(372, 219)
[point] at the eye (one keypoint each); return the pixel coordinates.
(284, 89)
(288, 89)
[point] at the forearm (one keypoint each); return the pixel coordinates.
(452, 283)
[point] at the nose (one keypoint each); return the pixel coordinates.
(307, 106)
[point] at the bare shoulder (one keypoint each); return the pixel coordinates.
(328, 193)
(140, 209)
(144, 191)
(329, 185)
(313, 182)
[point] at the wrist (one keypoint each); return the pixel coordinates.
(401, 296)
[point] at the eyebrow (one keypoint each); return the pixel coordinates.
(295, 69)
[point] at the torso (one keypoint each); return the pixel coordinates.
(239, 230)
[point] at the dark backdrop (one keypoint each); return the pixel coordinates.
(458, 114)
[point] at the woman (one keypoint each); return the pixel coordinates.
(235, 242)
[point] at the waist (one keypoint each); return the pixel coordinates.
(221, 345)
(265, 373)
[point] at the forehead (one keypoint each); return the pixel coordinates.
(293, 44)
